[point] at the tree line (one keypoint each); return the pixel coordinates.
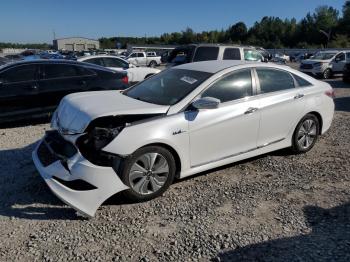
(325, 27)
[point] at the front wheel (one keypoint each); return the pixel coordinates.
(152, 63)
(305, 134)
(148, 173)
(327, 74)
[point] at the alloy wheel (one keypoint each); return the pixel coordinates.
(307, 134)
(149, 173)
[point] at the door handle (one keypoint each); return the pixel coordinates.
(82, 82)
(298, 96)
(251, 110)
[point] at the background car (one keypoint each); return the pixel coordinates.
(34, 88)
(135, 74)
(14, 57)
(206, 52)
(325, 63)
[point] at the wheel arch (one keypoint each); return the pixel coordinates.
(173, 152)
(320, 120)
(149, 75)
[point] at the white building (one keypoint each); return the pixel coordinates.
(75, 44)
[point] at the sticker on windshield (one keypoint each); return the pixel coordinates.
(188, 79)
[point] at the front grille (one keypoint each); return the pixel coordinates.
(54, 148)
(306, 66)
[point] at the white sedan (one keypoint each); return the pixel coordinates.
(135, 74)
(180, 122)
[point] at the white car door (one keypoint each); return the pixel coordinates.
(141, 60)
(230, 129)
(338, 63)
(281, 104)
(132, 58)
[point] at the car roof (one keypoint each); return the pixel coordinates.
(98, 56)
(55, 61)
(214, 66)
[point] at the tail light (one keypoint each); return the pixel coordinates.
(125, 80)
(330, 93)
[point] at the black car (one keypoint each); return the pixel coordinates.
(346, 73)
(35, 88)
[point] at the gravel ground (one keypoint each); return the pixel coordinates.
(276, 207)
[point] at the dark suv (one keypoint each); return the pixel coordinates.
(35, 88)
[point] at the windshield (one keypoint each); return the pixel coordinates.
(167, 87)
(323, 56)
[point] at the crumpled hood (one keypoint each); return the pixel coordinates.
(77, 110)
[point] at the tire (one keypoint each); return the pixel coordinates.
(152, 64)
(327, 74)
(143, 183)
(305, 134)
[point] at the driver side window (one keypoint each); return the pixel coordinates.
(340, 57)
(234, 86)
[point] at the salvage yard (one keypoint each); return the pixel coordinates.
(276, 207)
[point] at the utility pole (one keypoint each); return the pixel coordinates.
(54, 34)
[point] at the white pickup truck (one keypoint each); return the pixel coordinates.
(144, 59)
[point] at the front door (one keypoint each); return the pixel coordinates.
(232, 128)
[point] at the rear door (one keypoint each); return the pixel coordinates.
(281, 104)
(58, 80)
(19, 91)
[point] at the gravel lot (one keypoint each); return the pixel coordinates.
(276, 207)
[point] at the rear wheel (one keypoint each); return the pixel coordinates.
(305, 134)
(148, 173)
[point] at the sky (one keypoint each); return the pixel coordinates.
(34, 21)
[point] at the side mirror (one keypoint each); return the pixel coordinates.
(337, 59)
(206, 103)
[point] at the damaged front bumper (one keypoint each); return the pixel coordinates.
(75, 180)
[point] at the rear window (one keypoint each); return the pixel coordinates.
(60, 70)
(206, 53)
(301, 81)
(95, 61)
(232, 54)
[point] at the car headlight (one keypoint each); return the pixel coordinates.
(317, 64)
